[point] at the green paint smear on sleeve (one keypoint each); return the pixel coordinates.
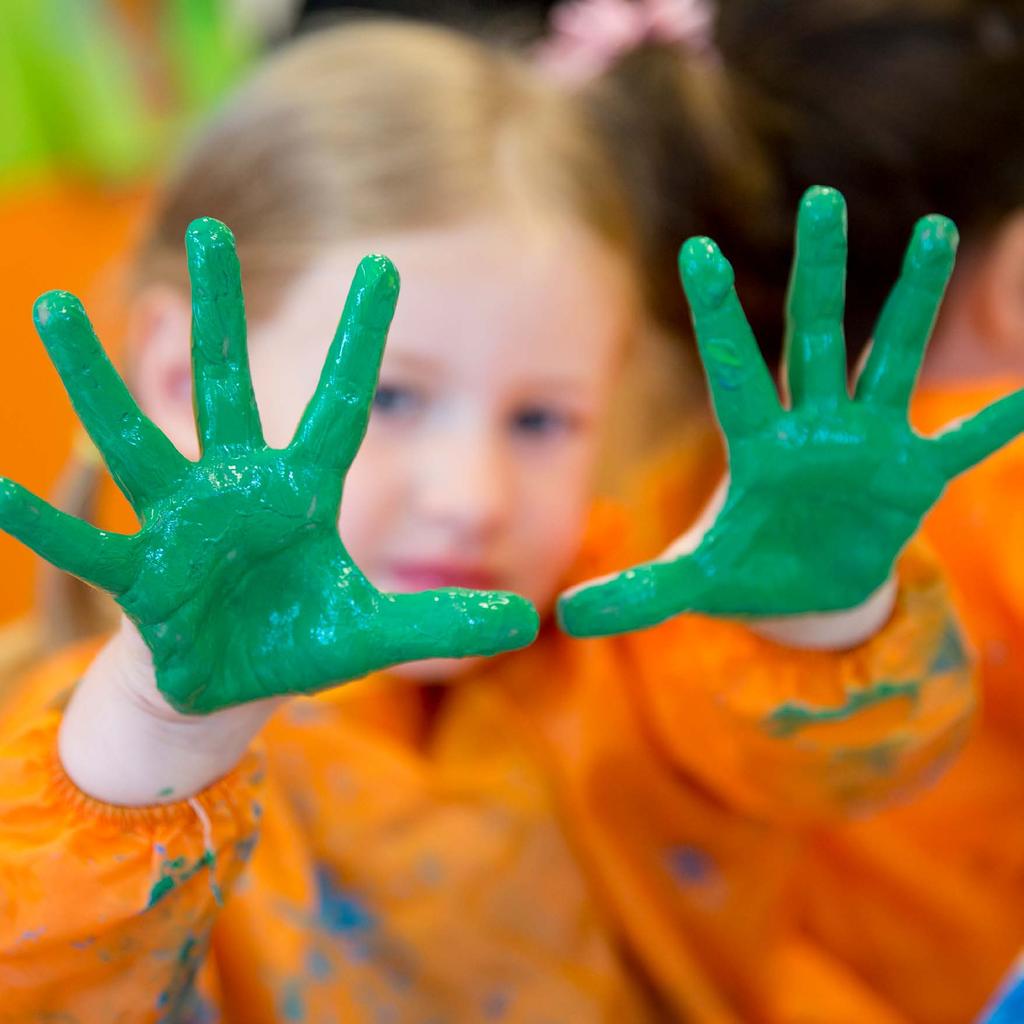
(950, 656)
(175, 873)
(159, 890)
(791, 717)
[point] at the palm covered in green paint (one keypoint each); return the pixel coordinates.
(237, 579)
(824, 494)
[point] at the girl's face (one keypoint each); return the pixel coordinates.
(477, 466)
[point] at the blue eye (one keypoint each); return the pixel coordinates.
(538, 421)
(393, 400)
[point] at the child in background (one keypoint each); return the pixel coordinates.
(612, 830)
(906, 107)
(721, 114)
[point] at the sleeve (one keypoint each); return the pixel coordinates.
(810, 735)
(977, 529)
(105, 912)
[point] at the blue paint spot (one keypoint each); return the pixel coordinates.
(292, 1006)
(318, 965)
(257, 810)
(950, 656)
(160, 849)
(83, 943)
(195, 1009)
(691, 865)
(341, 912)
(181, 1001)
(1008, 1005)
(496, 1005)
(244, 847)
(202, 1011)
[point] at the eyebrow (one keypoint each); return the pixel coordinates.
(413, 359)
(551, 383)
(424, 363)
(418, 359)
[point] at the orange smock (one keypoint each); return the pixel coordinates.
(688, 823)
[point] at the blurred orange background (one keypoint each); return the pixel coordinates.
(55, 235)
(94, 97)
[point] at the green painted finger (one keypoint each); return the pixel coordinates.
(453, 624)
(742, 390)
(226, 411)
(141, 459)
(966, 444)
(909, 314)
(333, 425)
(638, 598)
(815, 352)
(96, 556)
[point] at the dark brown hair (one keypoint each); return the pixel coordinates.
(906, 107)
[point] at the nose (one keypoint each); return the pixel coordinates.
(462, 480)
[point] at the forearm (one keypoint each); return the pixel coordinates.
(120, 742)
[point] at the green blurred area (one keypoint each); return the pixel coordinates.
(87, 91)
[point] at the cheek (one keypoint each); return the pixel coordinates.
(371, 506)
(284, 382)
(551, 521)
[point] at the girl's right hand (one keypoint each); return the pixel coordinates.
(237, 580)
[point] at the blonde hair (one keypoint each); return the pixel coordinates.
(381, 125)
(363, 128)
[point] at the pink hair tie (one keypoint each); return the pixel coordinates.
(588, 36)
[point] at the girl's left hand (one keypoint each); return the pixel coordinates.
(823, 494)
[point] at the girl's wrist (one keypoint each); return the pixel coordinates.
(832, 631)
(120, 742)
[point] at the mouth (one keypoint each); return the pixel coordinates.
(409, 577)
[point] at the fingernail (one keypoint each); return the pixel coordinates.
(208, 233)
(934, 244)
(822, 211)
(55, 304)
(377, 270)
(706, 271)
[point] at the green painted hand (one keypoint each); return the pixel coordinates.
(822, 495)
(237, 579)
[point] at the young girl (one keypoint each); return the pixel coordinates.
(603, 830)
